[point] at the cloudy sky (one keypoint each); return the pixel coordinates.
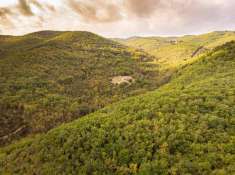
(117, 18)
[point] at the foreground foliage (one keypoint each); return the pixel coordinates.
(185, 127)
(47, 78)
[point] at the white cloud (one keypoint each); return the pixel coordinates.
(127, 18)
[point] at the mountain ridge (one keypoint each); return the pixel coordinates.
(172, 52)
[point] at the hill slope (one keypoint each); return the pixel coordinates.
(47, 78)
(174, 51)
(185, 127)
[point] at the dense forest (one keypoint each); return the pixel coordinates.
(187, 126)
(48, 78)
(117, 87)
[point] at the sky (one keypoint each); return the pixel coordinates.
(117, 18)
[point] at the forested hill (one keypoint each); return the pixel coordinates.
(172, 52)
(48, 78)
(185, 127)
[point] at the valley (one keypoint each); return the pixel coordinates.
(89, 105)
(48, 78)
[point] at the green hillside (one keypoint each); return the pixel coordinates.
(48, 78)
(174, 51)
(184, 127)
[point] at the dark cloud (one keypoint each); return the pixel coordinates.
(42, 6)
(37, 4)
(141, 8)
(4, 11)
(50, 7)
(96, 11)
(24, 7)
(5, 19)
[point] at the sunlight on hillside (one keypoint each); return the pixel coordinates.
(184, 127)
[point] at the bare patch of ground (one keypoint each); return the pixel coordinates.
(122, 79)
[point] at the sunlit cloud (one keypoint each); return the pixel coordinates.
(117, 18)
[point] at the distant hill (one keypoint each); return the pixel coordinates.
(48, 78)
(172, 52)
(184, 127)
